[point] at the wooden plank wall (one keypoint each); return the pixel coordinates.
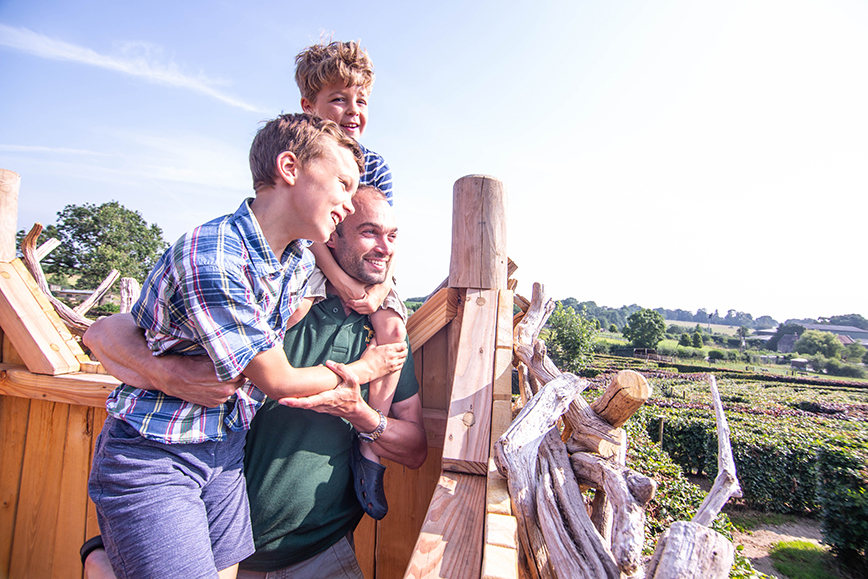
(385, 547)
(45, 513)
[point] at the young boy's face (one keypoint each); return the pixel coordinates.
(345, 105)
(324, 188)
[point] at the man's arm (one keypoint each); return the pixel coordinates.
(403, 440)
(119, 344)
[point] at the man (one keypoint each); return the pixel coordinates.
(303, 507)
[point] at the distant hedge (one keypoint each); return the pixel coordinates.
(782, 466)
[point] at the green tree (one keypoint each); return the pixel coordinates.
(94, 239)
(571, 339)
(645, 328)
(697, 340)
(854, 352)
(684, 340)
(613, 328)
(816, 342)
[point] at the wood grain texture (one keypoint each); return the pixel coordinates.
(466, 448)
(10, 183)
(72, 508)
(81, 388)
(409, 493)
(32, 333)
(478, 258)
(450, 542)
(50, 312)
(688, 550)
(434, 371)
(39, 498)
(434, 314)
(365, 540)
(14, 414)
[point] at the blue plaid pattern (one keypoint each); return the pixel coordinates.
(377, 172)
(221, 291)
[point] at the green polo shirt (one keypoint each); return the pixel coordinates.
(297, 461)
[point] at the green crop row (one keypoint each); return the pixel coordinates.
(783, 465)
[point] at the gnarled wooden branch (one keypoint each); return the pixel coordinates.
(73, 318)
(628, 493)
(726, 483)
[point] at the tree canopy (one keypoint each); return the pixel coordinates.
(645, 328)
(571, 339)
(94, 239)
(817, 342)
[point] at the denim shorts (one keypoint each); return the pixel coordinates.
(170, 510)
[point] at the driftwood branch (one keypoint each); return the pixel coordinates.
(726, 483)
(692, 549)
(130, 290)
(516, 457)
(76, 323)
(73, 318)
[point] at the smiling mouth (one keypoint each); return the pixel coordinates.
(381, 263)
(351, 126)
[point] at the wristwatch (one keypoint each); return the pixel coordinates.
(372, 436)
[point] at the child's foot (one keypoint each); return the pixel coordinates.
(368, 483)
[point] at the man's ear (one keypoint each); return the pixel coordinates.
(332, 240)
(288, 167)
(306, 105)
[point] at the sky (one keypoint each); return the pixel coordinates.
(666, 153)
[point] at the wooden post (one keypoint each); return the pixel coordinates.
(479, 258)
(9, 182)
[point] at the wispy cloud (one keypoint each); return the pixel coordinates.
(146, 67)
(56, 150)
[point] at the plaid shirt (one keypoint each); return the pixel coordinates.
(219, 290)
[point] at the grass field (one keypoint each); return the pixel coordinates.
(719, 328)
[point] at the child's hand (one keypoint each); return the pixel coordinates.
(350, 289)
(385, 359)
(376, 295)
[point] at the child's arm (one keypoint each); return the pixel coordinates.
(347, 287)
(271, 372)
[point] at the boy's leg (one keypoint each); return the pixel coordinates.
(149, 504)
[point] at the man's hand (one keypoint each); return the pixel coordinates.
(345, 401)
(192, 378)
(120, 345)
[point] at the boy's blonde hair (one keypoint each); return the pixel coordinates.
(336, 62)
(301, 134)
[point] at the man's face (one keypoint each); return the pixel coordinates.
(324, 189)
(367, 242)
(345, 105)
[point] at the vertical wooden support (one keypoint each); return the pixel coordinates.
(468, 425)
(479, 258)
(9, 183)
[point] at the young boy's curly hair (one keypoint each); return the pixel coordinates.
(321, 64)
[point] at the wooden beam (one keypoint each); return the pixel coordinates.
(51, 313)
(10, 182)
(434, 314)
(478, 257)
(466, 448)
(80, 388)
(30, 328)
(450, 543)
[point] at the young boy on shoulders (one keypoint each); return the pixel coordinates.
(167, 475)
(335, 82)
